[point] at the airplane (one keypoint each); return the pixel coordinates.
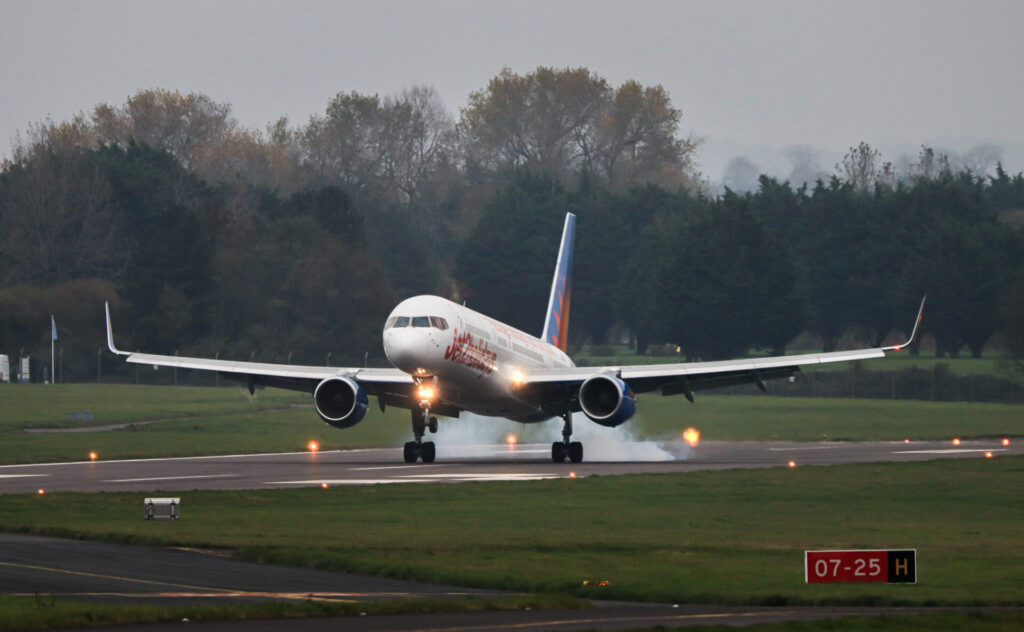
(448, 358)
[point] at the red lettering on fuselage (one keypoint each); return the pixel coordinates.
(475, 356)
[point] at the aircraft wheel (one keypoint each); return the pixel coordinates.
(432, 425)
(427, 451)
(576, 452)
(558, 452)
(411, 452)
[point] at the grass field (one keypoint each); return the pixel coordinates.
(203, 421)
(705, 537)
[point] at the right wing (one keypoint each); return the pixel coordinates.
(557, 389)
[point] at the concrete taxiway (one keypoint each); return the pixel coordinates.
(457, 464)
(49, 569)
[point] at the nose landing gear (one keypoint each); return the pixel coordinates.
(418, 449)
(566, 448)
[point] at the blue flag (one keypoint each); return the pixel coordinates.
(53, 329)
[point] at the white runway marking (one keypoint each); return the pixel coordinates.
(21, 475)
(395, 467)
(423, 478)
(513, 476)
(952, 451)
(348, 481)
(168, 478)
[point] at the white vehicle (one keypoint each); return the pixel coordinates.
(449, 358)
(5, 368)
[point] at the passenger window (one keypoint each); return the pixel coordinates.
(402, 321)
(420, 321)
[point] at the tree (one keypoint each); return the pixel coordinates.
(566, 121)
(505, 264)
(805, 165)
(741, 175)
(57, 218)
(862, 167)
(190, 127)
(733, 285)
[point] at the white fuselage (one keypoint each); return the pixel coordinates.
(476, 362)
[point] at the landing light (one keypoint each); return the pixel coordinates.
(511, 440)
(692, 436)
(517, 378)
(426, 394)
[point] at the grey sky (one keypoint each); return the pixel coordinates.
(750, 77)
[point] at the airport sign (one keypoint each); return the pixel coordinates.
(884, 566)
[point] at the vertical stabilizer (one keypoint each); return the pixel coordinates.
(556, 322)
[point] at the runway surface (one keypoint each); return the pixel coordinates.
(70, 569)
(456, 464)
(75, 569)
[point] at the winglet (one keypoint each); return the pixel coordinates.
(556, 319)
(110, 333)
(913, 333)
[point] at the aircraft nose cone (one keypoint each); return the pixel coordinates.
(406, 348)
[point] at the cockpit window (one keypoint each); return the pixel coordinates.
(417, 321)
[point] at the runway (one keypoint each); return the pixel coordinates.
(459, 464)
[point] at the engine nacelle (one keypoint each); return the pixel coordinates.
(340, 402)
(607, 400)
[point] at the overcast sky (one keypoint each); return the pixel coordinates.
(749, 77)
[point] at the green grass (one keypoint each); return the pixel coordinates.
(734, 537)
(44, 612)
(944, 622)
(204, 421)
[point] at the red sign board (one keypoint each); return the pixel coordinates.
(886, 566)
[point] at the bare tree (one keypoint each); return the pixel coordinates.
(863, 167)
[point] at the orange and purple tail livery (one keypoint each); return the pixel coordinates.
(556, 324)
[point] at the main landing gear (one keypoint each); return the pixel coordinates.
(420, 449)
(566, 448)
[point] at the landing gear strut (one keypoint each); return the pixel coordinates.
(418, 448)
(566, 448)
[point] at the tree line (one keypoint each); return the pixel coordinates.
(293, 243)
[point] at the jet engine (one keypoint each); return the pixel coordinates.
(607, 400)
(340, 402)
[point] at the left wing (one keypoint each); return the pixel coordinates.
(394, 386)
(687, 377)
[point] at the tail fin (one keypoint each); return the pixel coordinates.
(556, 323)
